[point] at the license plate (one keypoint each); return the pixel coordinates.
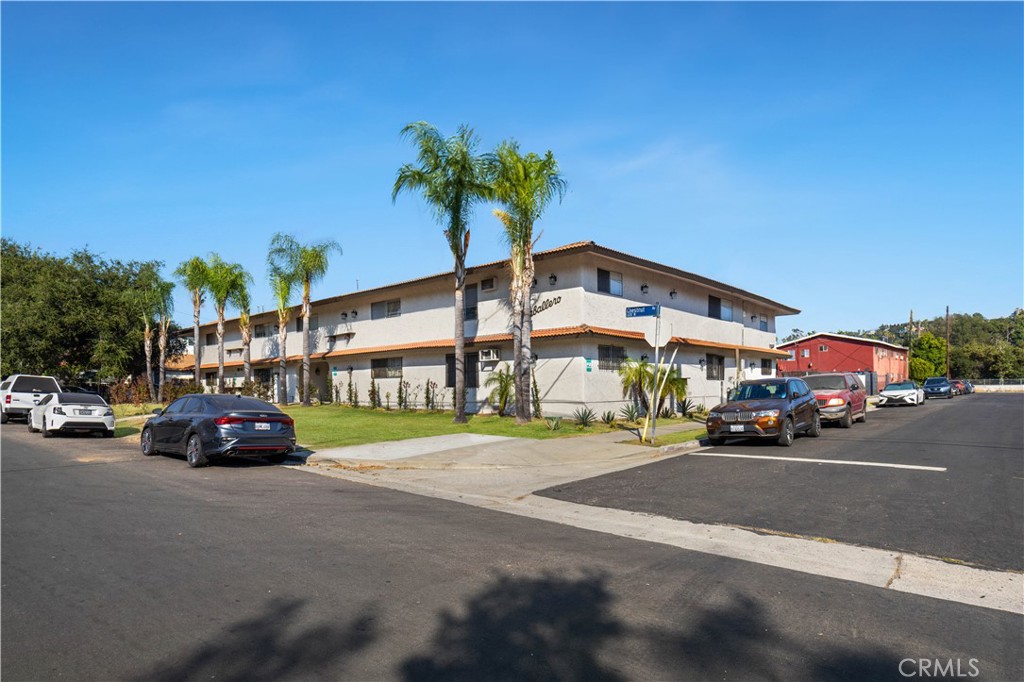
(262, 426)
(85, 413)
(736, 428)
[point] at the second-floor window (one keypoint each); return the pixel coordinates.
(609, 282)
(314, 323)
(762, 323)
(382, 309)
(719, 309)
(260, 331)
(470, 301)
(715, 366)
(211, 339)
(386, 368)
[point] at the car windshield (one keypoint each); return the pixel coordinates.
(760, 392)
(826, 382)
(35, 385)
(901, 386)
(80, 399)
(935, 381)
(233, 403)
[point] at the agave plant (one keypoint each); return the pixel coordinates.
(687, 407)
(630, 413)
(584, 417)
(608, 417)
(553, 423)
(666, 413)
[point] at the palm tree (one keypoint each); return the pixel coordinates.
(504, 388)
(636, 376)
(165, 311)
(670, 383)
(223, 280)
(193, 275)
(525, 185)
(452, 178)
(281, 285)
(304, 264)
(240, 299)
(144, 300)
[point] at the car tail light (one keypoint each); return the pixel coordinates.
(225, 420)
(221, 421)
(287, 421)
(7, 399)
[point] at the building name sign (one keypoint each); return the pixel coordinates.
(544, 305)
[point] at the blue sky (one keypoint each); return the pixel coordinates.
(853, 160)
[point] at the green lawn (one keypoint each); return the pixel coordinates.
(129, 410)
(331, 426)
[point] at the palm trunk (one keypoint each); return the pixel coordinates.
(525, 355)
(516, 295)
(460, 342)
(220, 350)
(162, 342)
(196, 302)
(147, 344)
(282, 372)
(246, 358)
(305, 344)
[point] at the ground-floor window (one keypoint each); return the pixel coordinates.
(386, 368)
(610, 357)
(766, 367)
(472, 370)
(211, 378)
(716, 367)
(264, 376)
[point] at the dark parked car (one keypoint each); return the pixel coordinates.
(205, 428)
(958, 387)
(968, 386)
(938, 387)
(840, 396)
(766, 408)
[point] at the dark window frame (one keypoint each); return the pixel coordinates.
(386, 368)
(715, 367)
(472, 370)
(610, 358)
(605, 282)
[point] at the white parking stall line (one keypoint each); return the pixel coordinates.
(819, 461)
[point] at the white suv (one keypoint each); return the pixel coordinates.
(19, 393)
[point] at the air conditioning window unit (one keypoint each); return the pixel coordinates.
(489, 355)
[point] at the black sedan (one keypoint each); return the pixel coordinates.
(205, 428)
(938, 387)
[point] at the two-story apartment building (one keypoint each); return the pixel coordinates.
(581, 336)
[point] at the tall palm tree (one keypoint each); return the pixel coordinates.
(241, 300)
(305, 264)
(193, 275)
(223, 280)
(165, 311)
(524, 185)
(452, 178)
(281, 285)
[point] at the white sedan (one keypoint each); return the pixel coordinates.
(901, 393)
(72, 413)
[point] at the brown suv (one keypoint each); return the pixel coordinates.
(766, 408)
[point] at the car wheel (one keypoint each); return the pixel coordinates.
(949, 396)
(31, 429)
(847, 420)
(786, 433)
(3, 417)
(147, 442)
(194, 452)
(46, 433)
(815, 429)
(863, 419)
(715, 440)
(108, 434)
(279, 458)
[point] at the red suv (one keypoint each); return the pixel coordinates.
(841, 397)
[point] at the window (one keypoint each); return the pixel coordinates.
(487, 284)
(472, 370)
(470, 301)
(260, 331)
(211, 339)
(609, 282)
(264, 376)
(822, 349)
(805, 352)
(766, 367)
(610, 357)
(234, 352)
(727, 311)
(715, 307)
(762, 323)
(211, 378)
(386, 368)
(382, 309)
(716, 367)
(314, 323)
(194, 406)
(175, 407)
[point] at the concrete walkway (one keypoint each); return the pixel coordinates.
(502, 473)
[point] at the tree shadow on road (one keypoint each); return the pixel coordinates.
(542, 628)
(273, 646)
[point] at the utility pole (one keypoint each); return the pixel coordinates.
(947, 341)
(910, 341)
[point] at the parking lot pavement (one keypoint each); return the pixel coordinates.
(943, 480)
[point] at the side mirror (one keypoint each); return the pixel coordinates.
(158, 412)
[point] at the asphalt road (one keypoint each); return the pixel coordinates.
(973, 512)
(120, 567)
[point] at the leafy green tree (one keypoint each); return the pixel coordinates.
(194, 276)
(525, 186)
(921, 369)
(504, 389)
(281, 286)
(223, 281)
(305, 265)
(452, 178)
(932, 350)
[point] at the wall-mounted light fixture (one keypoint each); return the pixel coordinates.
(553, 279)
(703, 363)
(753, 318)
(344, 316)
(534, 283)
(355, 313)
(643, 358)
(349, 369)
(644, 288)
(672, 294)
(534, 357)
(753, 364)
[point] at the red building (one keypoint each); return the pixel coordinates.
(839, 353)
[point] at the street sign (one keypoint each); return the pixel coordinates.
(642, 311)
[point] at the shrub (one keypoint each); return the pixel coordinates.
(666, 413)
(176, 388)
(630, 413)
(256, 390)
(535, 394)
(687, 407)
(553, 423)
(608, 417)
(584, 417)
